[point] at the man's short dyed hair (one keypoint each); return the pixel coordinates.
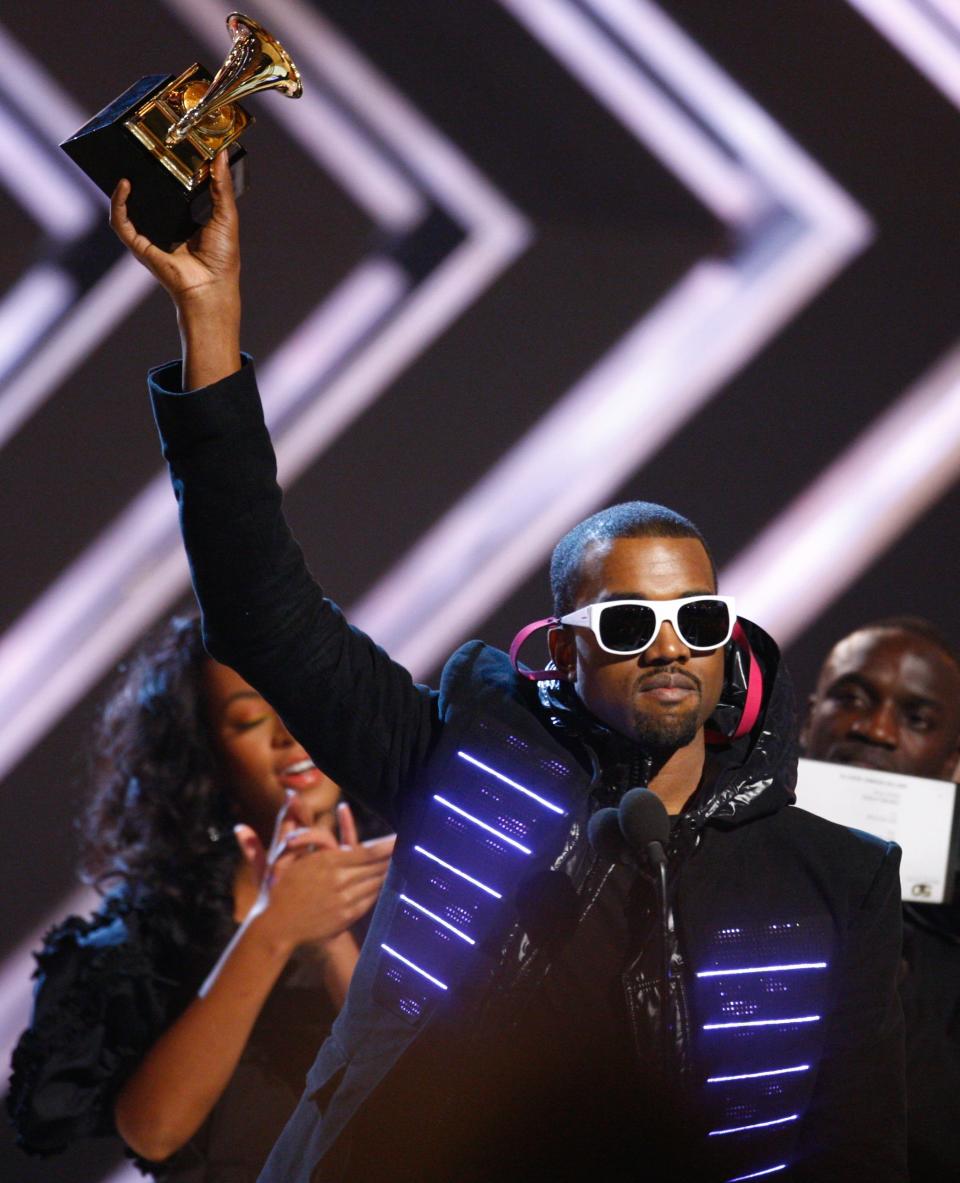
(629, 519)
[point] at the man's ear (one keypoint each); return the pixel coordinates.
(563, 651)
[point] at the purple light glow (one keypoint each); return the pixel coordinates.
(757, 1075)
(483, 825)
(762, 1023)
(456, 870)
(422, 972)
(512, 783)
(34, 176)
(759, 1125)
(921, 37)
(761, 969)
(641, 105)
(757, 1174)
(29, 308)
(69, 339)
(439, 919)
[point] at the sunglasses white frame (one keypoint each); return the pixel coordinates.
(663, 610)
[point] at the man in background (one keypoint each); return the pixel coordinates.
(888, 698)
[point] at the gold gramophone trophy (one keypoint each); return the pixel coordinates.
(163, 133)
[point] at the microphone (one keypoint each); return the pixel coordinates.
(645, 825)
(603, 833)
(637, 831)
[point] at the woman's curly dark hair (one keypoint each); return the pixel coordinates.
(159, 822)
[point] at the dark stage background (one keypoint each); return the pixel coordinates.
(504, 263)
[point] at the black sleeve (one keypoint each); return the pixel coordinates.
(99, 1006)
(357, 712)
(856, 1126)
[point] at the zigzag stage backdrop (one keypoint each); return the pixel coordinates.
(505, 262)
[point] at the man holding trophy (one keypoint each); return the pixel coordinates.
(538, 1059)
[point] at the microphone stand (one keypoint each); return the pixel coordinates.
(658, 859)
(645, 826)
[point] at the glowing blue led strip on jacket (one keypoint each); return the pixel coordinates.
(463, 875)
(483, 825)
(724, 985)
(468, 837)
(762, 1022)
(439, 919)
(757, 1075)
(512, 783)
(757, 1174)
(761, 969)
(422, 972)
(760, 1125)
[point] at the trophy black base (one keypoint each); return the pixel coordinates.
(159, 205)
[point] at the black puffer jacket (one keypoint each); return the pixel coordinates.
(784, 1007)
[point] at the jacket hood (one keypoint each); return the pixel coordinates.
(757, 774)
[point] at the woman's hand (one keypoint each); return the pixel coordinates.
(312, 889)
(202, 277)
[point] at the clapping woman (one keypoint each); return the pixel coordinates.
(184, 1014)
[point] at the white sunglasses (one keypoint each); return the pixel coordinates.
(625, 627)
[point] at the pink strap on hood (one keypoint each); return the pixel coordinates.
(751, 708)
(517, 642)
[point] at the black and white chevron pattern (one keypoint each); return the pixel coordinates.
(505, 262)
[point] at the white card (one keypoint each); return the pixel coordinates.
(914, 812)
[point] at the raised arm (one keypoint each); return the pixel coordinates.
(358, 713)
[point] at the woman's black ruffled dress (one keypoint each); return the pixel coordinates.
(107, 988)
